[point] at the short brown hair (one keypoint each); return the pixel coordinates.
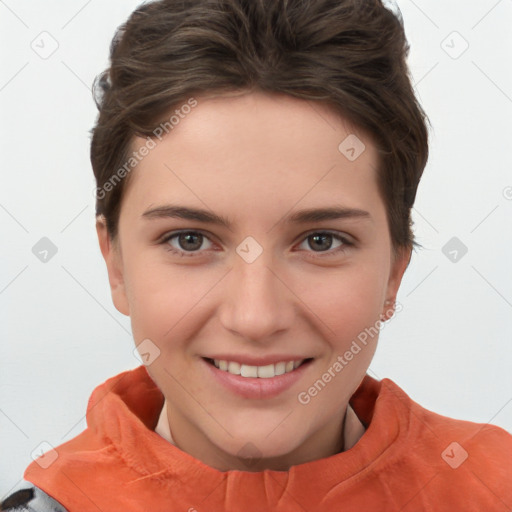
(348, 54)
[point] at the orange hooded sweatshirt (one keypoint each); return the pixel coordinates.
(408, 459)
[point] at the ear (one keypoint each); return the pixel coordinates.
(112, 255)
(399, 264)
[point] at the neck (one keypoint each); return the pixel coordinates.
(339, 434)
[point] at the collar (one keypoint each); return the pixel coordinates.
(121, 446)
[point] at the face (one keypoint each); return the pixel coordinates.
(257, 279)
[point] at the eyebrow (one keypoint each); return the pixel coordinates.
(299, 217)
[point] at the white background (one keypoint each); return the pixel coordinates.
(450, 348)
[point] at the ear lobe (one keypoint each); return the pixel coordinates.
(112, 256)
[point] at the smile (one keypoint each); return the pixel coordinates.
(266, 380)
(263, 372)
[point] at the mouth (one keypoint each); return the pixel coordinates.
(267, 371)
(256, 382)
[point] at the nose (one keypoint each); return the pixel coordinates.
(258, 304)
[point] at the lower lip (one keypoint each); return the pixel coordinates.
(257, 388)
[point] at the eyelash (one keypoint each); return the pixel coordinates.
(321, 254)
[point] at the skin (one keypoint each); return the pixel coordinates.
(254, 158)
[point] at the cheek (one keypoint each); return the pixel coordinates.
(346, 313)
(166, 301)
(169, 302)
(347, 301)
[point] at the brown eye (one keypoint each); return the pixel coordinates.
(190, 241)
(322, 242)
(186, 243)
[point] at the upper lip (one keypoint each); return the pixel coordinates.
(258, 361)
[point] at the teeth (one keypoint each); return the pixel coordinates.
(266, 371)
(248, 371)
(263, 372)
(280, 368)
(234, 368)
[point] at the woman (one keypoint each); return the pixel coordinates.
(256, 165)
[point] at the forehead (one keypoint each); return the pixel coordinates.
(248, 147)
(274, 120)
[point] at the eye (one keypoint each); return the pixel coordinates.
(322, 240)
(188, 242)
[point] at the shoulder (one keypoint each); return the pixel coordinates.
(486, 441)
(30, 499)
(458, 454)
